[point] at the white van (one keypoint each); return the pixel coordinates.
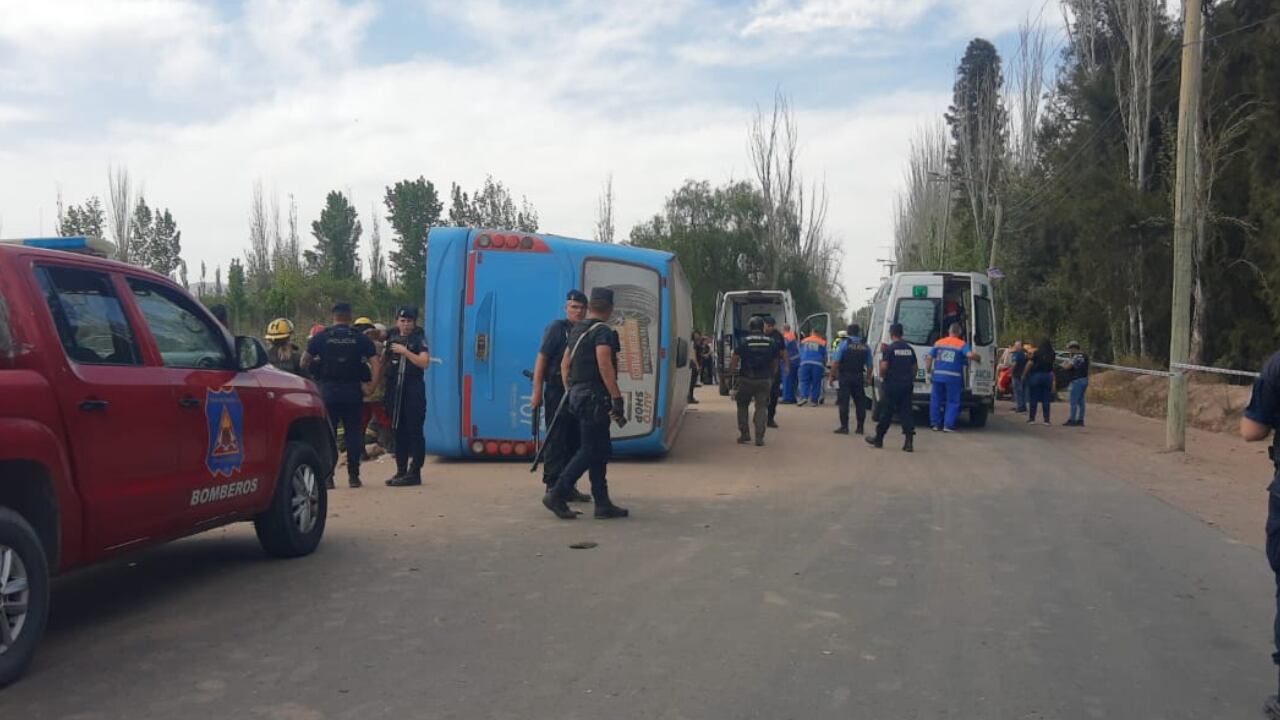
(735, 309)
(927, 303)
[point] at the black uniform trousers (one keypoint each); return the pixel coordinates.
(591, 409)
(851, 389)
(411, 444)
(1273, 554)
(896, 400)
(562, 438)
(775, 392)
(347, 410)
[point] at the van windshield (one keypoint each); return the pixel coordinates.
(919, 318)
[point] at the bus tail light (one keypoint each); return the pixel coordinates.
(520, 243)
(477, 447)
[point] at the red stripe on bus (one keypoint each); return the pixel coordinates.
(466, 406)
(471, 278)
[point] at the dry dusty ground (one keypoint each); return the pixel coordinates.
(1015, 572)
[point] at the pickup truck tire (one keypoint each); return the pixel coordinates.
(294, 524)
(24, 594)
(978, 416)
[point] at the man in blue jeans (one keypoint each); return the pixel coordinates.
(1078, 383)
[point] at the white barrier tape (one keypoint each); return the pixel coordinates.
(1137, 371)
(1220, 371)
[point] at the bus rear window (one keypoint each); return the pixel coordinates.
(919, 318)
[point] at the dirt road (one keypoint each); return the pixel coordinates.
(1015, 572)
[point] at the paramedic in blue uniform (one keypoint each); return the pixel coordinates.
(813, 368)
(1261, 419)
(406, 344)
(897, 378)
(590, 369)
(851, 367)
(780, 344)
(946, 362)
(791, 380)
(548, 391)
(337, 358)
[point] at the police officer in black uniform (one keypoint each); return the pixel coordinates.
(851, 366)
(337, 359)
(590, 367)
(783, 367)
(1261, 419)
(757, 358)
(407, 357)
(548, 392)
(897, 380)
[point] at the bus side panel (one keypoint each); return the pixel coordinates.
(680, 322)
(515, 294)
(446, 292)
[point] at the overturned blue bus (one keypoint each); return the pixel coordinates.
(490, 294)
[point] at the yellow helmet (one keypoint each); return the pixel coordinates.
(279, 329)
(362, 320)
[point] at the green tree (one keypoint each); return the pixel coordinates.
(337, 235)
(88, 220)
(492, 206)
(237, 298)
(413, 208)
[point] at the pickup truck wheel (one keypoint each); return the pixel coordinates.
(24, 594)
(978, 416)
(294, 523)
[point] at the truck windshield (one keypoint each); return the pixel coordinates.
(919, 318)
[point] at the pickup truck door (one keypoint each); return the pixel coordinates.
(118, 410)
(221, 430)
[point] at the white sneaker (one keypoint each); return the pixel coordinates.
(947, 430)
(802, 403)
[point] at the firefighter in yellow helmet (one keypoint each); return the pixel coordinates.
(281, 350)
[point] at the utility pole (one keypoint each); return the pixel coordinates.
(1184, 222)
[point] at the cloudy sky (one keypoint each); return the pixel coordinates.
(201, 99)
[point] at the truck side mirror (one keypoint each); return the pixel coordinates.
(251, 354)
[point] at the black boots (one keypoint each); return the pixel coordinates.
(406, 478)
(908, 444)
(744, 439)
(353, 480)
(875, 441)
(605, 509)
(842, 430)
(558, 506)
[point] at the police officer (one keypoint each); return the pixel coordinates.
(590, 368)
(548, 392)
(946, 363)
(1261, 418)
(756, 361)
(407, 359)
(784, 367)
(897, 377)
(851, 367)
(339, 354)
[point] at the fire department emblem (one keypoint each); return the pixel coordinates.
(225, 415)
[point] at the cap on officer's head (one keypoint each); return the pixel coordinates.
(577, 296)
(407, 312)
(602, 295)
(854, 330)
(895, 330)
(768, 320)
(755, 324)
(1073, 345)
(342, 310)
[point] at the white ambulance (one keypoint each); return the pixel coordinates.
(926, 304)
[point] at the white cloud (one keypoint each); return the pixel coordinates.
(306, 36)
(854, 16)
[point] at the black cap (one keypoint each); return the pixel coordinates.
(895, 330)
(854, 330)
(342, 308)
(408, 312)
(576, 295)
(768, 320)
(602, 294)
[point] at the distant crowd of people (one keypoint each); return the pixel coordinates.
(1034, 374)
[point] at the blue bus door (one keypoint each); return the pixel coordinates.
(511, 296)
